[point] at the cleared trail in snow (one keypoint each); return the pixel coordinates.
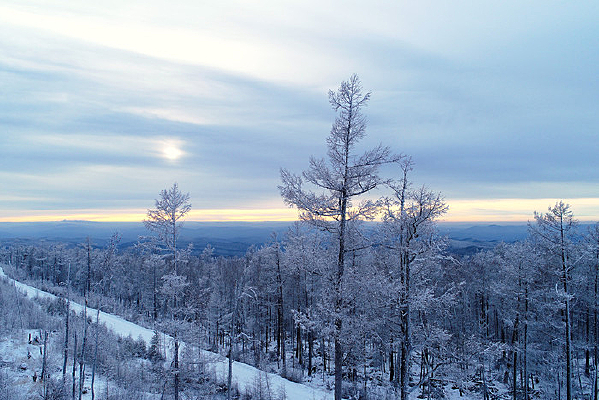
(245, 375)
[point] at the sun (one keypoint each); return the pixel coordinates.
(171, 152)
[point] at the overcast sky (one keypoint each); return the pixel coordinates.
(103, 104)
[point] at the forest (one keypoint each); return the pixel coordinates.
(366, 311)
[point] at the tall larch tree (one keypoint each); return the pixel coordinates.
(330, 203)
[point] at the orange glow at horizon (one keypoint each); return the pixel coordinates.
(211, 215)
(516, 210)
(461, 210)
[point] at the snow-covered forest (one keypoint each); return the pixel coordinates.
(474, 323)
(354, 311)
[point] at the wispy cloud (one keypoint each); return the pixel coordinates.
(102, 106)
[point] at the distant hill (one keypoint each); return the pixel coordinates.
(227, 238)
(234, 238)
(487, 233)
(472, 238)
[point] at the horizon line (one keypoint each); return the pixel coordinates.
(460, 211)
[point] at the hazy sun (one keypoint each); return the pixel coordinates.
(171, 152)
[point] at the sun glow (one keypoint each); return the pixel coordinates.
(172, 153)
(170, 149)
(473, 210)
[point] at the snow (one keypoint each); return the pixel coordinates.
(24, 360)
(244, 375)
(17, 350)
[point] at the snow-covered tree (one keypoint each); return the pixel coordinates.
(517, 290)
(165, 221)
(331, 201)
(167, 218)
(554, 232)
(410, 234)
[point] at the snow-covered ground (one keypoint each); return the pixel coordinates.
(245, 376)
(25, 357)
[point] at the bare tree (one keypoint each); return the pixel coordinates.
(66, 330)
(410, 230)
(338, 184)
(592, 244)
(554, 231)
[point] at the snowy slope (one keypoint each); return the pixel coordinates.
(245, 375)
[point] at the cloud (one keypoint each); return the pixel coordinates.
(491, 100)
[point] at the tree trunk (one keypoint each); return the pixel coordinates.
(567, 319)
(404, 276)
(82, 357)
(95, 352)
(283, 355)
(230, 376)
(44, 366)
(280, 315)
(299, 353)
(525, 343)
(596, 327)
(515, 357)
(154, 295)
(391, 364)
(568, 353)
(66, 329)
(338, 295)
(515, 374)
(406, 343)
(485, 388)
(266, 330)
(587, 350)
(310, 350)
(176, 365)
(324, 357)
(338, 369)
(89, 269)
(66, 342)
(74, 365)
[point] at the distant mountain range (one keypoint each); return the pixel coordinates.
(468, 238)
(227, 238)
(232, 238)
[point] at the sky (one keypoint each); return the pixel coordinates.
(104, 104)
